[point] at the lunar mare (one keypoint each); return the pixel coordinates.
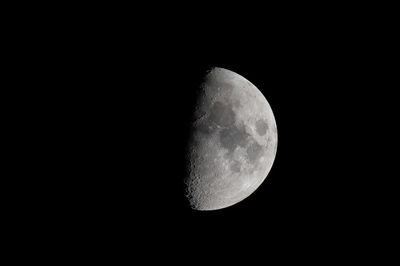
(233, 142)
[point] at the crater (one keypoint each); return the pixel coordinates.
(222, 84)
(254, 152)
(261, 127)
(222, 114)
(269, 141)
(237, 104)
(236, 166)
(232, 137)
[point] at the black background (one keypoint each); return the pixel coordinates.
(126, 92)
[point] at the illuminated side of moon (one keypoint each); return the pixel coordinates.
(233, 142)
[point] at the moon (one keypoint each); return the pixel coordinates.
(232, 144)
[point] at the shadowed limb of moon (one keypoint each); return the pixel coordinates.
(233, 142)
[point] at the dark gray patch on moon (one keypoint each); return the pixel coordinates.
(254, 152)
(206, 127)
(261, 127)
(232, 137)
(222, 114)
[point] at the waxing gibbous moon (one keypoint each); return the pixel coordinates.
(233, 142)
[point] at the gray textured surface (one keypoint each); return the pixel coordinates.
(233, 143)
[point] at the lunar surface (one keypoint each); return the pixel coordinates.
(233, 142)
